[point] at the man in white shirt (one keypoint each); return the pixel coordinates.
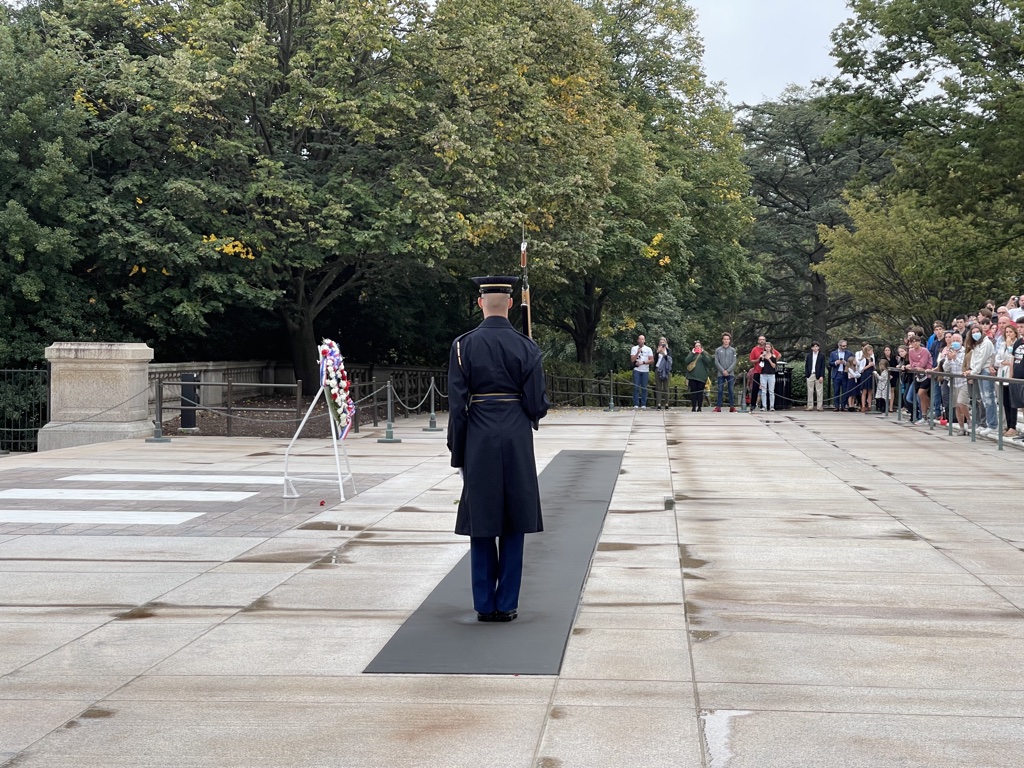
(1013, 307)
(641, 356)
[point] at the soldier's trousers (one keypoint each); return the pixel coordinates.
(497, 568)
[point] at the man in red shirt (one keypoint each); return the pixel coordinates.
(919, 361)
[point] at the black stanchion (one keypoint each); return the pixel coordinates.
(189, 401)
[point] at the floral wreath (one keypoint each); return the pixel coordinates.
(334, 379)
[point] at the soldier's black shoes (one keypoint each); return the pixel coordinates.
(502, 616)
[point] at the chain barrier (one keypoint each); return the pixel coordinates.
(367, 397)
(418, 406)
(88, 419)
(225, 414)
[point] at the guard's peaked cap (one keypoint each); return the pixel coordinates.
(495, 283)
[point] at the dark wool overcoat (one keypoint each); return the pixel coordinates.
(496, 396)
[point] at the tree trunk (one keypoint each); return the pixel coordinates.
(585, 320)
(585, 340)
(819, 310)
(303, 344)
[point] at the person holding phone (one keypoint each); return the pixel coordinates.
(662, 374)
(699, 365)
(769, 367)
(641, 356)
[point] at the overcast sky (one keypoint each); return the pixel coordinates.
(758, 47)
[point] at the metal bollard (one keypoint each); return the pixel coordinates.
(611, 392)
(158, 424)
(228, 411)
(373, 391)
(389, 431)
(189, 401)
(354, 394)
(432, 427)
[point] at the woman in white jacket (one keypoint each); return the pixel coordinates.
(983, 363)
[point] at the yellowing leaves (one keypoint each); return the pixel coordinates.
(652, 251)
(230, 247)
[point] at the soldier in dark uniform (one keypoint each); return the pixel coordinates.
(496, 396)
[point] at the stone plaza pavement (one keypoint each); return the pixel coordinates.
(828, 590)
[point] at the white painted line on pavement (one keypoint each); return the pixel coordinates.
(126, 494)
(211, 479)
(95, 517)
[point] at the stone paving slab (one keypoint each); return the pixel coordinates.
(809, 589)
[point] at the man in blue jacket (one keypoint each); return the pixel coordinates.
(838, 361)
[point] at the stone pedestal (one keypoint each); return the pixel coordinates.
(98, 392)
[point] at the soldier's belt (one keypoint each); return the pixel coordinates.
(495, 397)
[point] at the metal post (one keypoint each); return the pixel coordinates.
(373, 390)
(189, 401)
(158, 425)
(389, 431)
(611, 392)
(974, 410)
(354, 389)
(432, 427)
(999, 414)
(950, 409)
(899, 404)
(229, 408)
(298, 399)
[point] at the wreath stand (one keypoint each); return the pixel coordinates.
(290, 491)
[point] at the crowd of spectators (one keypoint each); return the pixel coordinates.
(932, 377)
(951, 374)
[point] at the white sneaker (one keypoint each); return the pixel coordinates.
(984, 432)
(919, 422)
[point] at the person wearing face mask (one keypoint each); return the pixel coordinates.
(982, 363)
(952, 362)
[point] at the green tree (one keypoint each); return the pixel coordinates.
(41, 158)
(521, 136)
(678, 203)
(799, 173)
(941, 77)
(97, 215)
(910, 263)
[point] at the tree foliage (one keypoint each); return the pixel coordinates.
(942, 77)
(908, 261)
(799, 171)
(345, 165)
(678, 202)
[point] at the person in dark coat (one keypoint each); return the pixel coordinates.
(496, 397)
(814, 370)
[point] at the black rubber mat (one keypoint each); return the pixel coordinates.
(443, 636)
